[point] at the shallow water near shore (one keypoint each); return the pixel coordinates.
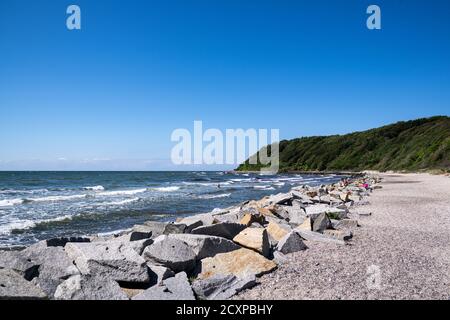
(41, 205)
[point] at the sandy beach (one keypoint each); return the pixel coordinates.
(401, 251)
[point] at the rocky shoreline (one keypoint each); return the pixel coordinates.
(206, 256)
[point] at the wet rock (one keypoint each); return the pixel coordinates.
(112, 259)
(14, 287)
(175, 288)
(241, 263)
(86, 287)
(226, 230)
(254, 238)
(221, 287)
(172, 253)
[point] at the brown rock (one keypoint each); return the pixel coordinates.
(254, 238)
(306, 225)
(277, 231)
(249, 218)
(241, 263)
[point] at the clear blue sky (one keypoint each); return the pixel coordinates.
(110, 95)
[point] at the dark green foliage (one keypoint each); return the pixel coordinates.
(421, 144)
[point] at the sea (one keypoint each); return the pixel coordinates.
(42, 205)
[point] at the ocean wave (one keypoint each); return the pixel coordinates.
(57, 198)
(265, 187)
(10, 202)
(213, 196)
(167, 189)
(122, 192)
(20, 225)
(120, 203)
(13, 191)
(94, 188)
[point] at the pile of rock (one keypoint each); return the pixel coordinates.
(206, 256)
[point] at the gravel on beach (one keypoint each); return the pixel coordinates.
(401, 251)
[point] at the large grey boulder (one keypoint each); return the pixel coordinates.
(175, 288)
(290, 243)
(85, 287)
(115, 260)
(321, 223)
(221, 287)
(206, 246)
(172, 253)
(54, 265)
(16, 261)
(227, 230)
(14, 287)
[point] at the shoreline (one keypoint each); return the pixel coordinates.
(193, 252)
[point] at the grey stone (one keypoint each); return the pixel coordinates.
(155, 227)
(113, 259)
(16, 261)
(14, 287)
(175, 288)
(339, 234)
(171, 253)
(290, 243)
(55, 266)
(221, 287)
(226, 230)
(347, 224)
(206, 246)
(281, 198)
(140, 232)
(159, 273)
(315, 210)
(321, 223)
(318, 237)
(173, 228)
(85, 287)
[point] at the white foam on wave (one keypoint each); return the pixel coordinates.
(10, 202)
(167, 189)
(122, 192)
(122, 202)
(214, 196)
(28, 224)
(264, 187)
(95, 188)
(57, 198)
